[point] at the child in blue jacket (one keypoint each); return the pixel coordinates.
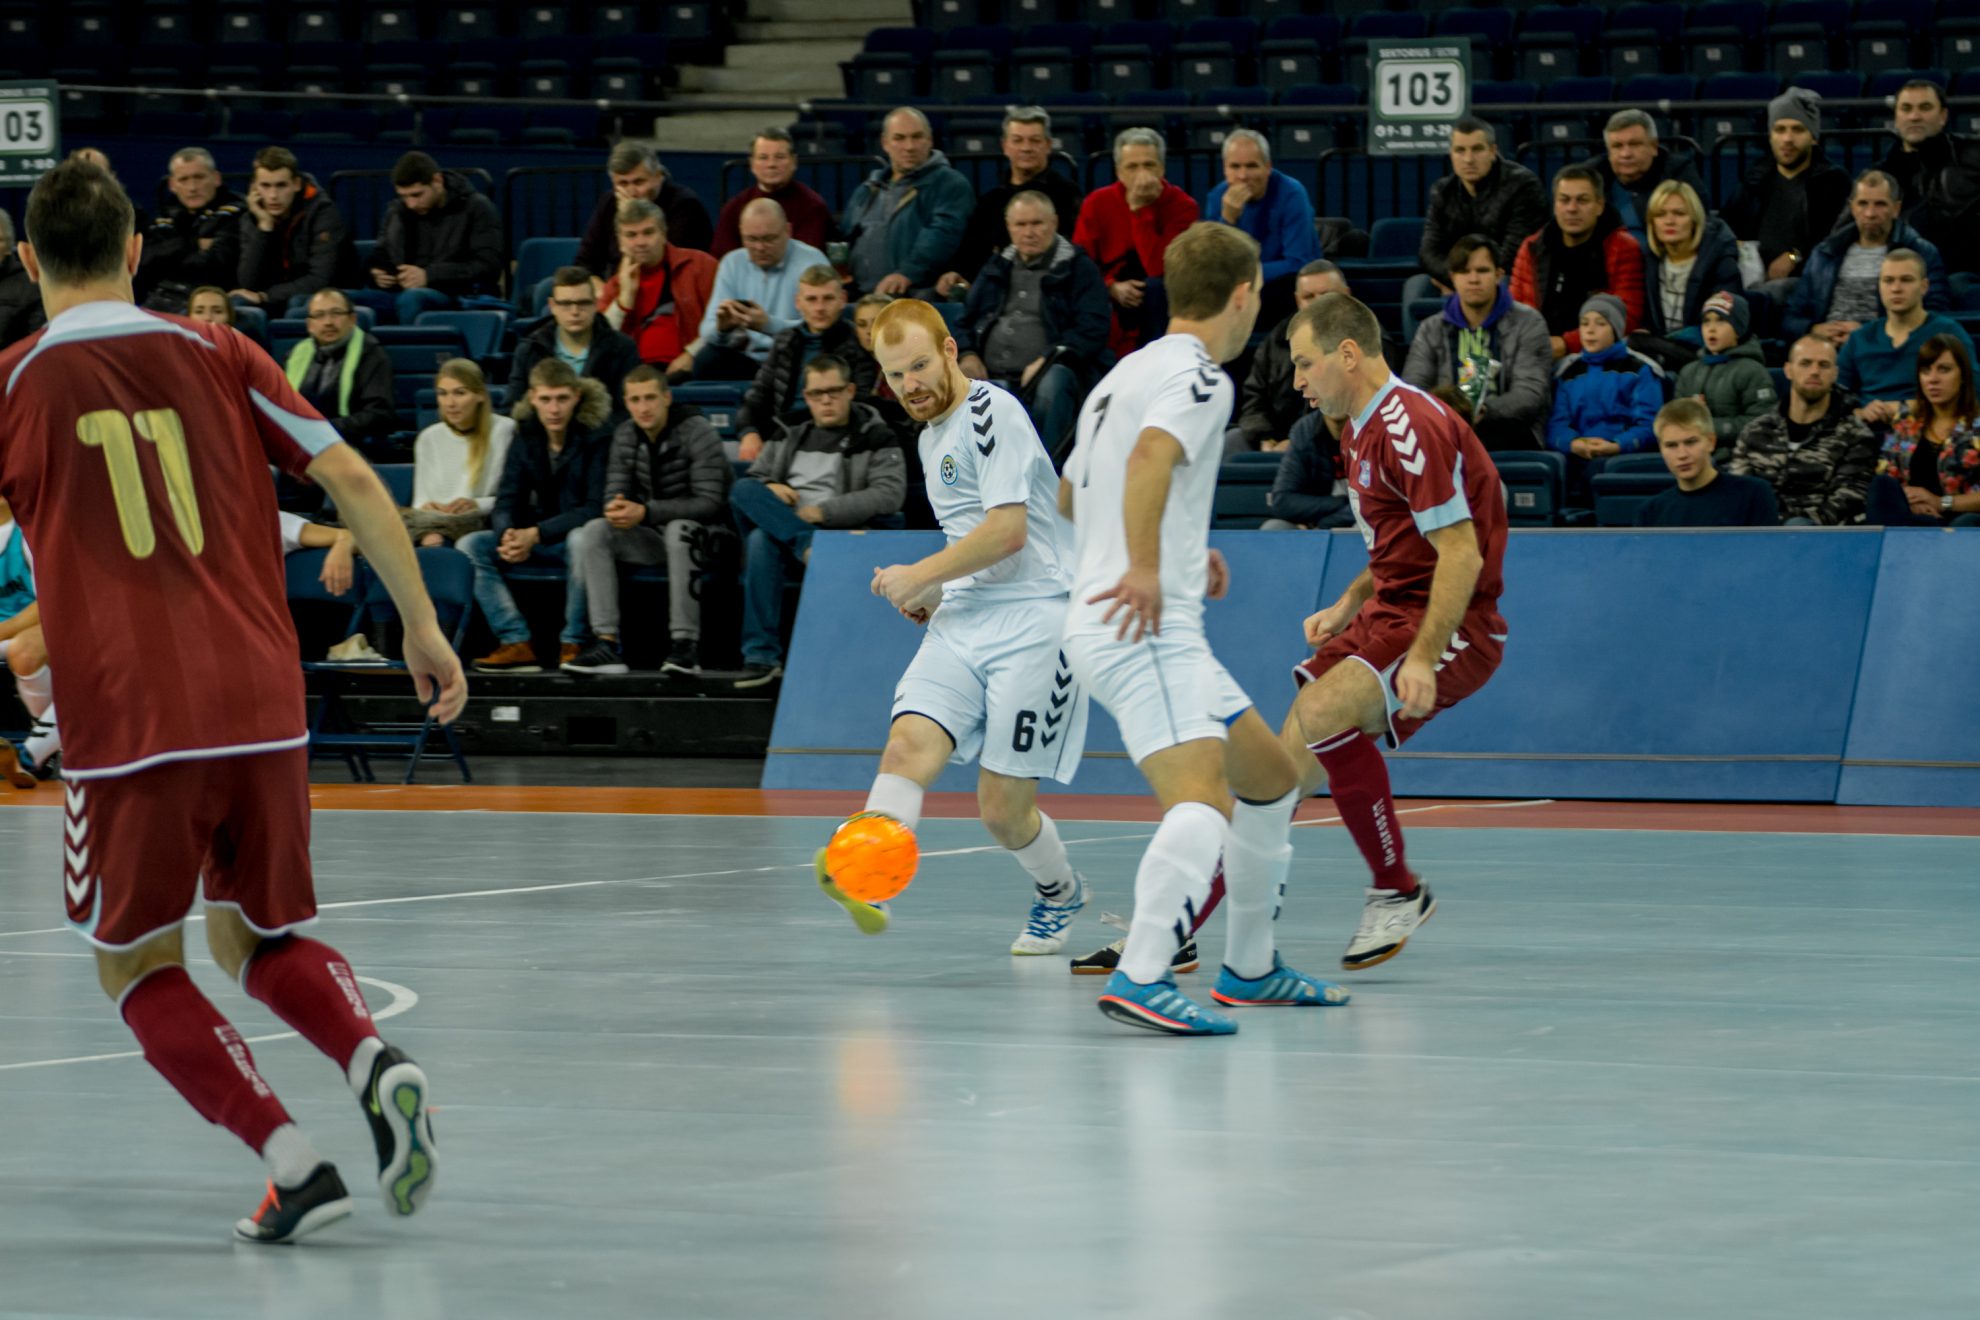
(1606, 397)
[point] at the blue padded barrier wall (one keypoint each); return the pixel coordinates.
(1723, 665)
(1914, 738)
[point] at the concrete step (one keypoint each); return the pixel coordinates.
(873, 13)
(726, 130)
(826, 29)
(792, 82)
(775, 55)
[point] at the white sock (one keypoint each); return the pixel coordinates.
(1046, 861)
(289, 1156)
(898, 796)
(1256, 860)
(1171, 886)
(358, 1071)
(37, 691)
(46, 740)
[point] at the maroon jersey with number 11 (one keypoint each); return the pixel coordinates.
(134, 449)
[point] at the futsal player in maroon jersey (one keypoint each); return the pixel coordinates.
(134, 449)
(1419, 630)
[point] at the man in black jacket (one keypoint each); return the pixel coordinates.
(666, 496)
(1038, 317)
(579, 337)
(20, 297)
(839, 467)
(440, 240)
(821, 331)
(1027, 144)
(1483, 194)
(195, 238)
(553, 486)
(1310, 490)
(1268, 405)
(1789, 202)
(1636, 164)
(294, 240)
(635, 171)
(343, 372)
(1937, 172)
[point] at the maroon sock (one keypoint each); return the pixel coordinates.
(201, 1055)
(1216, 897)
(310, 987)
(1358, 778)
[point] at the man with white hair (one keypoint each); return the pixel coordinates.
(906, 221)
(1127, 226)
(20, 298)
(755, 295)
(195, 238)
(1273, 208)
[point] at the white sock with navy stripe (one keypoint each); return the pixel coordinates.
(1045, 860)
(1256, 860)
(1171, 887)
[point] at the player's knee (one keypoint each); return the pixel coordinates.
(27, 655)
(231, 940)
(914, 744)
(118, 971)
(1009, 811)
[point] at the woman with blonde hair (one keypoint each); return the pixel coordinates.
(457, 461)
(1688, 257)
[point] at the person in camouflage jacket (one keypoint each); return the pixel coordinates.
(1813, 449)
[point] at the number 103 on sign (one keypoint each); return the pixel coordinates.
(1421, 89)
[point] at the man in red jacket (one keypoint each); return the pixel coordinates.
(660, 291)
(1127, 226)
(1582, 251)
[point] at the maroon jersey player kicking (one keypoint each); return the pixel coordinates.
(134, 449)
(1419, 630)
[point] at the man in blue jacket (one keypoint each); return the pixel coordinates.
(1270, 206)
(1837, 294)
(553, 483)
(906, 221)
(1038, 317)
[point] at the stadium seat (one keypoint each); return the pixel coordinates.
(1049, 59)
(1552, 38)
(947, 15)
(1243, 498)
(536, 260)
(468, 23)
(1620, 495)
(1129, 55)
(1297, 51)
(889, 67)
(1029, 13)
(615, 19)
(1392, 244)
(718, 400)
(1881, 40)
(1215, 52)
(971, 62)
(1209, 134)
(1315, 127)
(536, 21)
(1637, 37)
(241, 24)
(1377, 26)
(1536, 486)
(480, 331)
(315, 24)
(1554, 127)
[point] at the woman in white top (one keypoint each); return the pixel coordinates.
(457, 461)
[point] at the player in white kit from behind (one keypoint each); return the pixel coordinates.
(1139, 486)
(989, 683)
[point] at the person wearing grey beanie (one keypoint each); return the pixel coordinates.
(1610, 308)
(1788, 202)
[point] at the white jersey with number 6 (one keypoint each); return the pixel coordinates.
(1171, 385)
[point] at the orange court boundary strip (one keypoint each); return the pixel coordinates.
(1421, 813)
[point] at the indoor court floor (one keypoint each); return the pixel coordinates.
(1647, 1061)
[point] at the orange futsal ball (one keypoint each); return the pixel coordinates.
(872, 856)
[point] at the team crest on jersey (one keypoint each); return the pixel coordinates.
(949, 472)
(1366, 469)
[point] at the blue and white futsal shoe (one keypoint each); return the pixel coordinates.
(1045, 929)
(1159, 1006)
(1281, 986)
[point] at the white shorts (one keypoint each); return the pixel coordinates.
(1163, 691)
(996, 681)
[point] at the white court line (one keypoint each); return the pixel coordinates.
(402, 1000)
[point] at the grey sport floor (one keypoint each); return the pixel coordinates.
(1621, 1074)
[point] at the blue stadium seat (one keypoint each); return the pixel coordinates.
(469, 23)
(1049, 59)
(391, 23)
(691, 27)
(166, 25)
(561, 126)
(1102, 12)
(1536, 486)
(1029, 13)
(536, 260)
(315, 23)
(1130, 55)
(1566, 127)
(548, 79)
(1316, 126)
(616, 19)
(1380, 26)
(1215, 52)
(1834, 86)
(1491, 31)
(1552, 38)
(1881, 41)
(718, 400)
(624, 78)
(1637, 37)
(536, 21)
(1209, 134)
(1512, 129)
(947, 15)
(1658, 87)
(1620, 495)
(1297, 50)
(238, 24)
(1243, 498)
(1956, 43)
(889, 67)
(1891, 81)
(971, 62)
(480, 331)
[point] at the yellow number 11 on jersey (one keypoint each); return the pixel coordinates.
(110, 431)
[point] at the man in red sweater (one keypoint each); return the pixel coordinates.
(660, 291)
(773, 163)
(1127, 226)
(1584, 250)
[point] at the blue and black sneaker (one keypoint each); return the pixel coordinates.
(1159, 1006)
(396, 1103)
(289, 1213)
(1280, 986)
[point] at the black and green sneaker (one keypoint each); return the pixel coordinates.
(402, 1126)
(1105, 960)
(289, 1213)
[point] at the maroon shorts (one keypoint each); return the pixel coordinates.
(136, 846)
(1380, 637)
